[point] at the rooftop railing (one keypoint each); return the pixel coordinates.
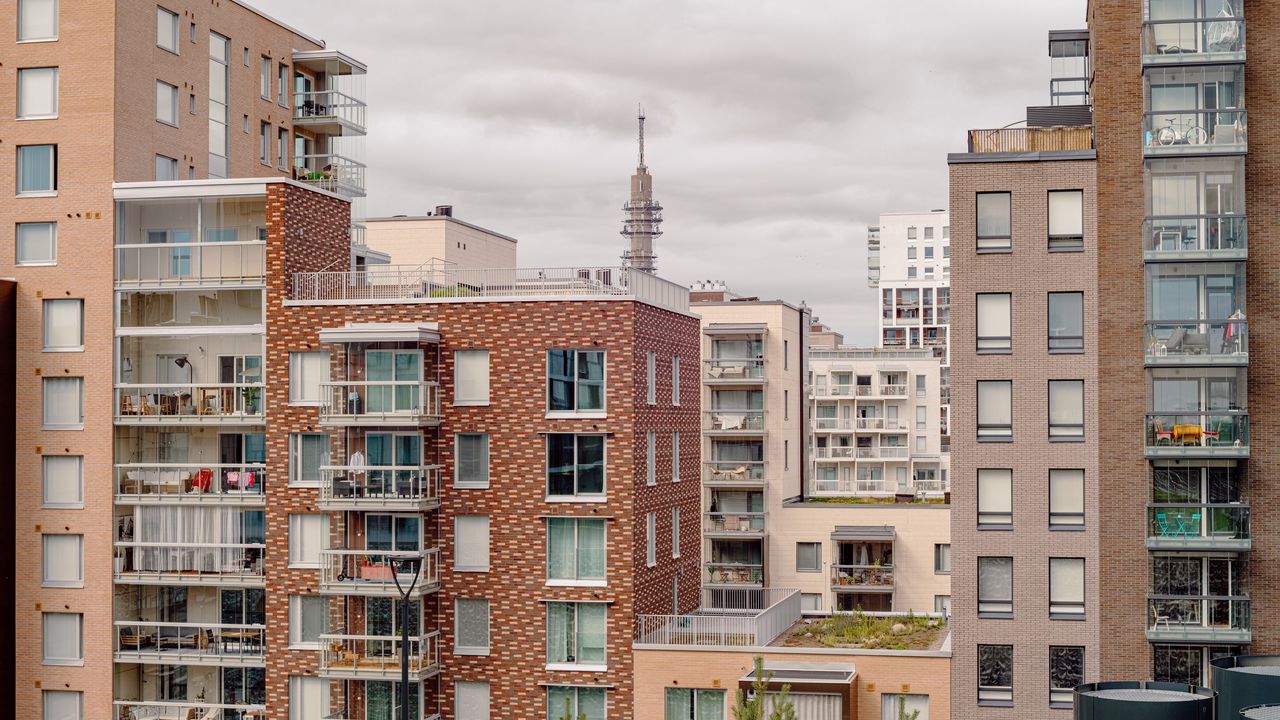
(1031, 139)
(750, 618)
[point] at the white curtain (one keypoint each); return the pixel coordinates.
(1066, 212)
(810, 706)
(180, 530)
(306, 371)
(1066, 406)
(471, 376)
(995, 402)
(37, 92)
(472, 551)
(995, 491)
(1066, 581)
(1066, 491)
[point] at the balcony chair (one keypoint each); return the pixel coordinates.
(1163, 526)
(1160, 433)
(1212, 437)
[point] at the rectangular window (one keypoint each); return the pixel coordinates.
(166, 169)
(942, 604)
(307, 452)
(995, 221)
(62, 704)
(995, 587)
(307, 370)
(36, 243)
(651, 458)
(911, 253)
(575, 380)
(922, 445)
(219, 98)
(470, 377)
(675, 532)
(62, 481)
(308, 535)
(575, 466)
(37, 169)
(995, 322)
(63, 325)
(942, 558)
(911, 273)
(1066, 220)
(1066, 409)
(1066, 498)
(808, 557)
(995, 497)
(264, 78)
(471, 626)
(898, 706)
(675, 380)
(911, 232)
(64, 403)
(282, 85)
(922, 418)
(1066, 673)
(575, 550)
(995, 409)
(63, 560)
(471, 700)
(675, 457)
(1066, 321)
(62, 638)
(37, 93)
(471, 543)
(37, 20)
(308, 697)
(581, 703)
(282, 147)
(922, 385)
(810, 602)
(690, 704)
(928, 253)
(308, 620)
(651, 539)
(576, 634)
(1066, 588)
(167, 30)
(995, 675)
(264, 143)
(472, 466)
(166, 103)
(651, 378)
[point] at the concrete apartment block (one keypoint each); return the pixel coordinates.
(414, 239)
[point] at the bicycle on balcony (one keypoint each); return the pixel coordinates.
(1180, 132)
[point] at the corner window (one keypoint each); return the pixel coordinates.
(167, 30)
(1066, 321)
(995, 221)
(63, 407)
(995, 675)
(575, 466)
(37, 93)
(575, 550)
(579, 703)
(470, 377)
(1066, 588)
(1066, 498)
(37, 20)
(995, 409)
(690, 704)
(37, 169)
(995, 497)
(63, 560)
(942, 558)
(64, 325)
(471, 466)
(1066, 220)
(995, 322)
(471, 626)
(575, 380)
(995, 587)
(62, 481)
(471, 543)
(1066, 409)
(307, 372)
(576, 634)
(1066, 673)
(166, 103)
(62, 638)
(36, 243)
(808, 557)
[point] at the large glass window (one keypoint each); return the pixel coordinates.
(995, 221)
(37, 93)
(472, 466)
(995, 497)
(575, 380)
(579, 703)
(575, 633)
(37, 169)
(1066, 409)
(995, 409)
(63, 560)
(62, 638)
(37, 20)
(63, 403)
(995, 322)
(63, 481)
(575, 549)
(995, 675)
(690, 704)
(36, 243)
(995, 586)
(575, 465)
(471, 626)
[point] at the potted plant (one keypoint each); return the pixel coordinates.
(711, 573)
(250, 395)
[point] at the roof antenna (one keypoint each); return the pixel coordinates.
(640, 116)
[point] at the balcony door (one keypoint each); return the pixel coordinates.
(388, 366)
(400, 533)
(383, 700)
(382, 619)
(403, 450)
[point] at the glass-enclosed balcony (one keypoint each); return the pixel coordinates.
(734, 473)
(330, 112)
(380, 402)
(205, 242)
(183, 309)
(733, 422)
(1197, 412)
(734, 524)
(380, 487)
(1203, 291)
(1174, 37)
(862, 578)
(228, 564)
(205, 483)
(190, 379)
(1202, 237)
(1200, 435)
(378, 657)
(376, 572)
(1198, 342)
(733, 371)
(176, 710)
(187, 643)
(1191, 131)
(1191, 526)
(1199, 619)
(331, 172)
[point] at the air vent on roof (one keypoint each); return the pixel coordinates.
(444, 210)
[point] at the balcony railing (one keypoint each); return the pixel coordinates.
(186, 563)
(733, 421)
(397, 402)
(329, 106)
(1031, 139)
(1196, 237)
(1199, 619)
(182, 403)
(334, 173)
(750, 524)
(1197, 342)
(734, 369)
(369, 487)
(1191, 39)
(190, 264)
(1198, 435)
(374, 572)
(1223, 526)
(751, 618)
(862, 578)
(853, 487)
(834, 453)
(893, 390)
(725, 573)
(734, 472)
(163, 710)
(1195, 132)
(190, 643)
(378, 656)
(205, 483)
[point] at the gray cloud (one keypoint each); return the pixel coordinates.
(777, 130)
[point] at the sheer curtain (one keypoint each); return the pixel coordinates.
(181, 529)
(560, 550)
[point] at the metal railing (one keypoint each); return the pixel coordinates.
(1175, 431)
(733, 420)
(728, 573)
(845, 452)
(163, 710)
(373, 572)
(184, 642)
(857, 577)
(893, 390)
(1173, 131)
(380, 402)
(1190, 522)
(188, 562)
(1197, 616)
(1196, 234)
(710, 627)
(731, 471)
(191, 482)
(186, 402)
(440, 280)
(190, 264)
(734, 368)
(1197, 340)
(746, 523)
(331, 172)
(1168, 40)
(378, 655)
(376, 486)
(1031, 139)
(326, 104)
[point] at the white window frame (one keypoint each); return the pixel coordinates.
(171, 102)
(457, 466)
(675, 380)
(264, 143)
(162, 16)
(300, 386)
(169, 164)
(478, 359)
(45, 385)
(28, 75)
(299, 524)
(458, 523)
(578, 665)
(48, 316)
(651, 378)
(675, 533)
(70, 617)
(296, 605)
(282, 148)
(476, 685)
(651, 539)
(48, 712)
(675, 456)
(576, 411)
(816, 547)
(53, 172)
(36, 38)
(282, 80)
(45, 476)
(457, 626)
(45, 554)
(651, 458)
(264, 77)
(602, 581)
(295, 459)
(19, 243)
(910, 703)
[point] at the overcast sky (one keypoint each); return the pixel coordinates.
(777, 131)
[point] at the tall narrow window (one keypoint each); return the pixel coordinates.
(575, 550)
(575, 465)
(63, 481)
(264, 143)
(576, 634)
(471, 544)
(308, 620)
(37, 93)
(651, 539)
(64, 403)
(307, 453)
(942, 558)
(264, 78)
(37, 169)
(282, 148)
(167, 30)
(995, 497)
(471, 631)
(995, 409)
(675, 380)
(37, 20)
(64, 325)
(575, 380)
(995, 323)
(471, 468)
(166, 103)
(36, 243)
(1066, 220)
(282, 85)
(651, 378)
(1066, 321)
(675, 532)
(995, 586)
(307, 370)
(994, 221)
(1066, 673)
(308, 535)
(675, 457)
(922, 385)
(470, 377)
(1066, 588)
(995, 675)
(1066, 409)
(219, 117)
(1066, 498)
(651, 458)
